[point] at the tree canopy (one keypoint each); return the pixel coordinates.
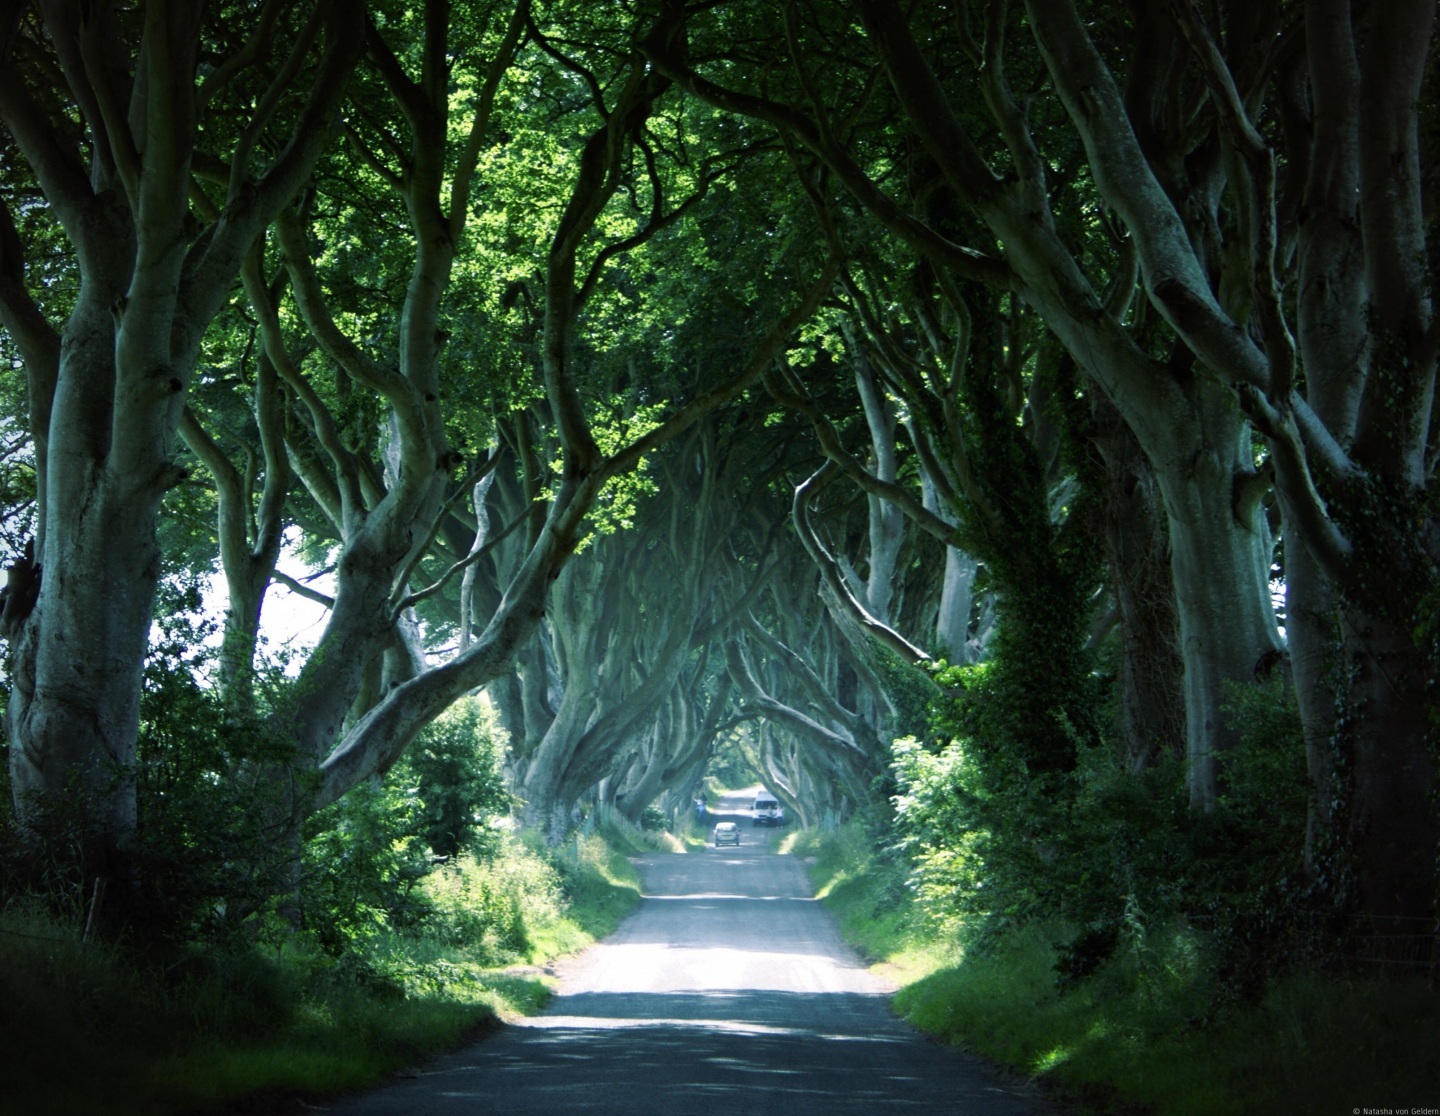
(778, 380)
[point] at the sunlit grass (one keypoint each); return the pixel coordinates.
(1158, 1038)
(873, 912)
(602, 887)
(691, 833)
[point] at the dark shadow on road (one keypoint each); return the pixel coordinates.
(782, 1052)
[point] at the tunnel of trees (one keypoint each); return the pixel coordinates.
(1014, 416)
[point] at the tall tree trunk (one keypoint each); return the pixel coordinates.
(1152, 703)
(152, 277)
(1220, 558)
(1392, 826)
(957, 599)
(1311, 629)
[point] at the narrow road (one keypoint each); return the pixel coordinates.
(728, 991)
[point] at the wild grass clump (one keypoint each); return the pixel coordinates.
(497, 904)
(602, 887)
(866, 886)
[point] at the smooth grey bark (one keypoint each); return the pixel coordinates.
(957, 585)
(676, 747)
(1313, 641)
(379, 736)
(957, 601)
(250, 527)
(785, 663)
(153, 274)
(887, 523)
(1219, 641)
(629, 615)
(623, 108)
(1353, 453)
(528, 697)
(592, 658)
(1365, 329)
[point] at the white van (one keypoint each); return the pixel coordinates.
(767, 810)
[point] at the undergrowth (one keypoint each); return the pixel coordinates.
(1148, 1030)
(93, 1028)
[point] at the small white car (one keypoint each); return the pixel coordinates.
(727, 833)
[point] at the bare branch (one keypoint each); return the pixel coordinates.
(300, 589)
(310, 297)
(830, 574)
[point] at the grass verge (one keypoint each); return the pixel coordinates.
(1149, 1032)
(89, 1029)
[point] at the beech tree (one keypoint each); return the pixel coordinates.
(380, 476)
(627, 616)
(492, 268)
(810, 655)
(116, 111)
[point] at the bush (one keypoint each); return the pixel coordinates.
(363, 857)
(494, 906)
(1149, 1027)
(1104, 850)
(867, 884)
(366, 854)
(455, 767)
(252, 963)
(215, 1026)
(206, 856)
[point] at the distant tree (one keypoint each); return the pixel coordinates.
(618, 184)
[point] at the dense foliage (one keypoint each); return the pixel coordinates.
(1125, 856)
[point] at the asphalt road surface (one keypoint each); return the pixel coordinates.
(727, 991)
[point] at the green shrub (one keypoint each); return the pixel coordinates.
(363, 858)
(1105, 850)
(213, 1025)
(366, 855)
(494, 905)
(455, 768)
(601, 887)
(251, 963)
(867, 885)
